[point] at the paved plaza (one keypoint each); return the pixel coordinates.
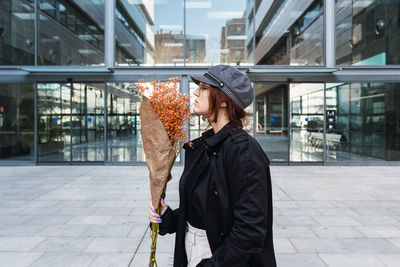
(97, 216)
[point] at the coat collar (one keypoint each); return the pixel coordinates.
(214, 139)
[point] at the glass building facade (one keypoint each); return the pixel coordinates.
(326, 75)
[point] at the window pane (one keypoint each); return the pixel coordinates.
(272, 120)
(124, 143)
(223, 34)
(71, 32)
(54, 122)
(289, 32)
(16, 122)
(149, 32)
(87, 122)
(17, 32)
(367, 32)
(367, 122)
(307, 122)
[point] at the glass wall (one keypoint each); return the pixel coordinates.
(289, 32)
(70, 122)
(271, 106)
(367, 32)
(221, 36)
(367, 122)
(124, 143)
(306, 122)
(16, 122)
(87, 122)
(54, 122)
(71, 32)
(17, 32)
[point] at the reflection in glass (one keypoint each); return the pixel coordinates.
(124, 143)
(289, 32)
(71, 33)
(16, 122)
(168, 32)
(366, 119)
(54, 122)
(135, 38)
(87, 122)
(17, 32)
(306, 120)
(272, 122)
(222, 35)
(367, 32)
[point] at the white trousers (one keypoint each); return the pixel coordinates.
(196, 245)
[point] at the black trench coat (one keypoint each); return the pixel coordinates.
(233, 197)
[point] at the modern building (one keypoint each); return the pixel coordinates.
(233, 36)
(366, 125)
(170, 47)
(326, 75)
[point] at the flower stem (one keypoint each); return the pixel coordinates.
(154, 234)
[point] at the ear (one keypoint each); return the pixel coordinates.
(223, 105)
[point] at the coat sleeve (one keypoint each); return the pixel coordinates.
(248, 182)
(169, 221)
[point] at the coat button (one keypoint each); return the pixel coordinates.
(215, 153)
(222, 234)
(216, 193)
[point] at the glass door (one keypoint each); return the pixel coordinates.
(70, 122)
(87, 122)
(271, 108)
(54, 122)
(307, 122)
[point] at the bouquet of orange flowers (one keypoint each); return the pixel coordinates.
(163, 117)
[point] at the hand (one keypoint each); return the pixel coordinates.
(153, 216)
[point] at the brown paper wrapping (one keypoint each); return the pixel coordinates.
(160, 155)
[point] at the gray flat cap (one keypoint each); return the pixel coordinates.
(231, 81)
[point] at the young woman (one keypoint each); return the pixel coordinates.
(225, 212)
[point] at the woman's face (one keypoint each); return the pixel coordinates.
(201, 103)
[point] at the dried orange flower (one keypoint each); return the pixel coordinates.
(172, 108)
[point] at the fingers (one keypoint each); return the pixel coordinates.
(153, 216)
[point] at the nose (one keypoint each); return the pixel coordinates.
(196, 92)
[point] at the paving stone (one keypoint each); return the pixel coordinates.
(395, 241)
(46, 220)
(295, 220)
(336, 220)
(92, 220)
(64, 260)
(18, 259)
(379, 231)
(62, 244)
(299, 211)
(351, 260)
(283, 245)
(20, 230)
(293, 232)
(390, 260)
(66, 201)
(142, 259)
(108, 231)
(14, 219)
(63, 230)
(336, 232)
(299, 260)
(112, 260)
(104, 211)
(376, 220)
(113, 245)
(19, 243)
